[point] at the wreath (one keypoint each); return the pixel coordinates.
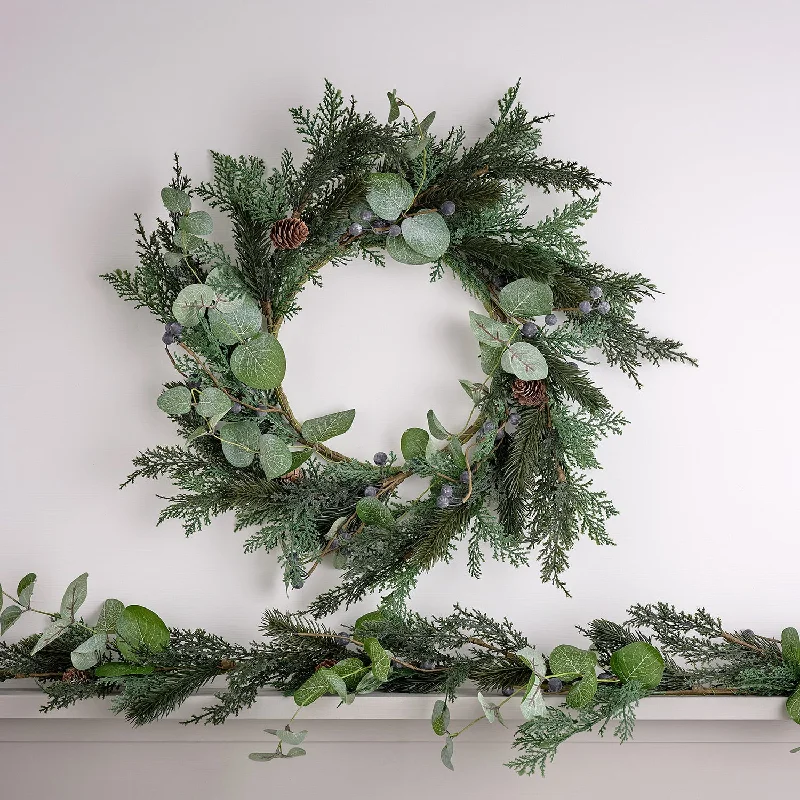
(512, 478)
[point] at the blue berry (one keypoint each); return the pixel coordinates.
(554, 685)
(168, 338)
(175, 328)
(551, 319)
(530, 329)
(442, 501)
(748, 633)
(595, 292)
(446, 490)
(514, 418)
(427, 665)
(464, 477)
(193, 384)
(370, 491)
(366, 215)
(507, 691)
(380, 458)
(499, 435)
(355, 229)
(448, 208)
(487, 427)
(604, 307)
(606, 676)
(394, 230)
(584, 307)
(342, 639)
(236, 408)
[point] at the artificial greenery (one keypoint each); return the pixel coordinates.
(148, 670)
(512, 479)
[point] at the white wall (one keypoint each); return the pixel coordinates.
(690, 109)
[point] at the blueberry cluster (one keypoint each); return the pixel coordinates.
(445, 496)
(371, 491)
(387, 226)
(586, 307)
(380, 458)
(172, 332)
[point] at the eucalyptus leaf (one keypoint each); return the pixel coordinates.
(525, 361)
(475, 391)
(191, 303)
(447, 753)
(372, 511)
(109, 614)
(440, 718)
(186, 242)
(320, 429)
(265, 756)
(381, 659)
(88, 653)
(25, 589)
(274, 456)
(175, 200)
(490, 710)
(350, 670)
(196, 223)
(525, 298)
(490, 358)
(413, 147)
(202, 430)
(335, 683)
(427, 122)
(74, 597)
(638, 661)
(299, 457)
(368, 684)
(140, 629)
(242, 322)
(583, 692)
(569, 660)
(9, 616)
(401, 251)
(790, 647)
(295, 752)
(172, 259)
(57, 628)
(436, 428)
(176, 400)
(490, 331)
(212, 402)
(793, 706)
(394, 108)
(240, 442)
(388, 194)
(118, 669)
(259, 363)
(427, 234)
(365, 619)
(457, 452)
(413, 443)
(292, 737)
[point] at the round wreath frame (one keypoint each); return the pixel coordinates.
(512, 477)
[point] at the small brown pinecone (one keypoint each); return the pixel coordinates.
(295, 476)
(529, 393)
(326, 664)
(289, 233)
(227, 664)
(73, 675)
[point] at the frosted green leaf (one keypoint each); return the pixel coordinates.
(176, 400)
(371, 511)
(447, 754)
(413, 147)
(320, 429)
(638, 661)
(239, 322)
(109, 614)
(490, 358)
(525, 361)
(265, 756)
(295, 752)
(583, 692)
(440, 718)
(413, 443)
(427, 122)
(197, 433)
(369, 683)
(793, 706)
(191, 303)
(569, 660)
(490, 710)
(173, 259)
(57, 628)
(88, 653)
(388, 195)
(74, 597)
(335, 683)
(9, 616)
(394, 108)
(475, 391)
(299, 457)
(240, 442)
(533, 704)
(259, 363)
(457, 452)
(25, 589)
(790, 647)
(490, 331)
(116, 669)
(350, 670)
(427, 234)
(274, 456)
(213, 402)
(534, 659)
(139, 628)
(370, 616)
(175, 200)
(381, 659)
(436, 428)
(399, 249)
(186, 242)
(291, 737)
(198, 223)
(526, 298)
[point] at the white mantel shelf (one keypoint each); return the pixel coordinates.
(22, 704)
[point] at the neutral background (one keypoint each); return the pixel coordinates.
(690, 109)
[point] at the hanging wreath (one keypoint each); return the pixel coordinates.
(512, 477)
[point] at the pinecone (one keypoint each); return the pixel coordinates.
(73, 675)
(529, 393)
(295, 476)
(326, 664)
(227, 664)
(289, 233)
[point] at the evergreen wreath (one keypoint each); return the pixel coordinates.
(513, 478)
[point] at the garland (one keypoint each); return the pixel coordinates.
(148, 670)
(512, 479)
